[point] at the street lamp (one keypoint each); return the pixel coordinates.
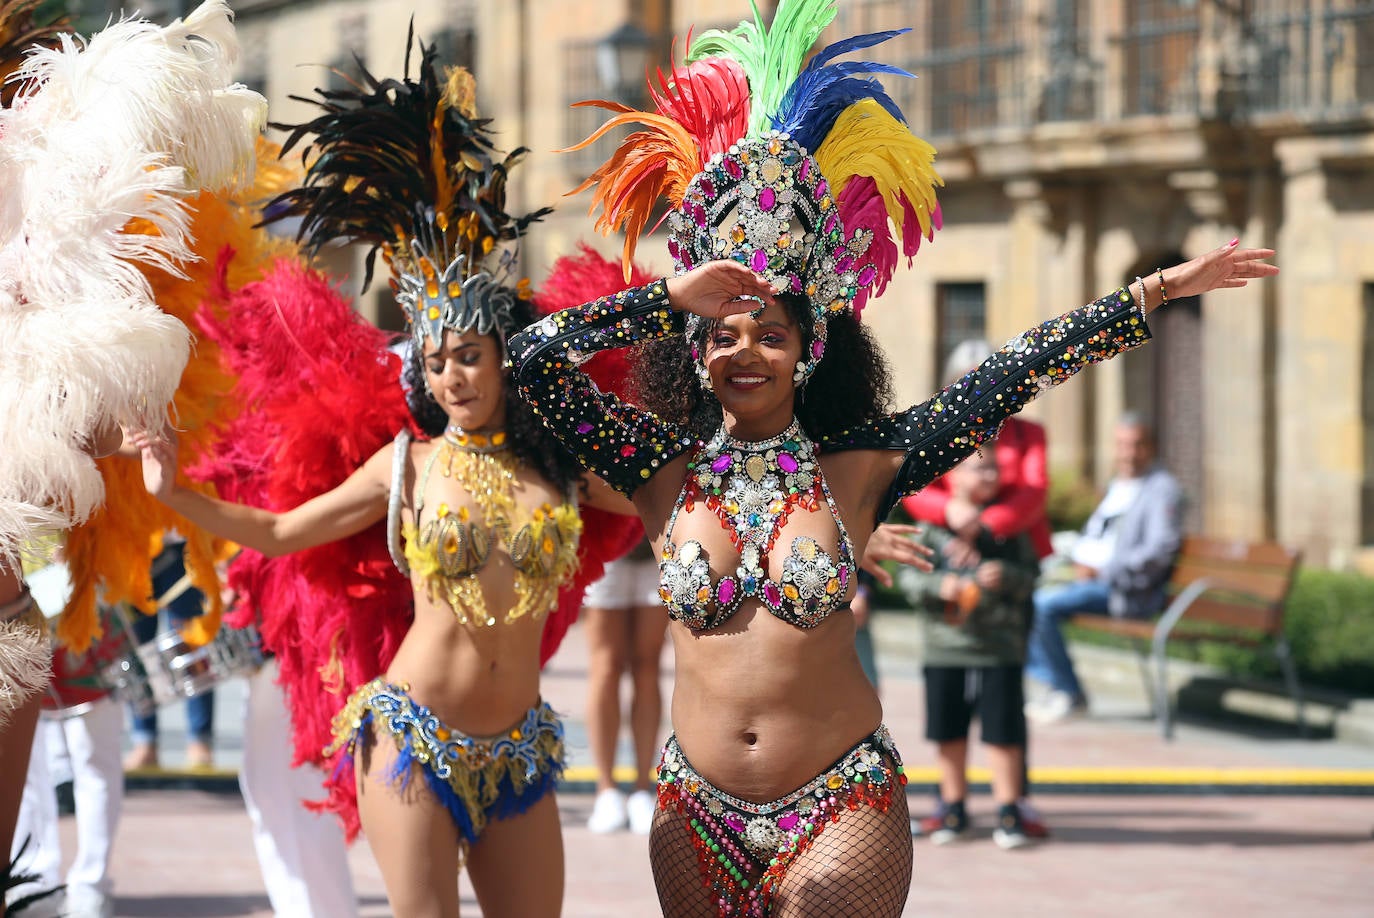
(622, 60)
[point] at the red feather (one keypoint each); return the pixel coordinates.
(333, 615)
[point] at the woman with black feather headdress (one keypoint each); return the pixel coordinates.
(447, 745)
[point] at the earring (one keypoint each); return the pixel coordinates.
(704, 377)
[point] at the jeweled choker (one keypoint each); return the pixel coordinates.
(473, 441)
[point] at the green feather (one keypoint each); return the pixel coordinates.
(771, 58)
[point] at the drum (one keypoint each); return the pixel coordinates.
(81, 679)
(144, 676)
(178, 669)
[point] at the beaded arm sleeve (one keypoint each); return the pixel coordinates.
(622, 444)
(939, 432)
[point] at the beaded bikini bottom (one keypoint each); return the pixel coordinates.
(744, 849)
(477, 779)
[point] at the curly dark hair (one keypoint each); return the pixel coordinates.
(530, 440)
(851, 382)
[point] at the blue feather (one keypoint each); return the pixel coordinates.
(823, 90)
(854, 43)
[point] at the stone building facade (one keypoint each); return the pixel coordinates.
(1082, 142)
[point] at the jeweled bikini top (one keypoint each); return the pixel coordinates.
(752, 488)
(448, 551)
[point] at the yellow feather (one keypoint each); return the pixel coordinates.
(111, 553)
(868, 141)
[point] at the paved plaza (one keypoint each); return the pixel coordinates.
(187, 852)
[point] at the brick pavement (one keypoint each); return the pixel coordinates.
(1124, 855)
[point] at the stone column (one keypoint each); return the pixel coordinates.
(1320, 331)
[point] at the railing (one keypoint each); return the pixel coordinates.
(1313, 58)
(988, 64)
(1158, 49)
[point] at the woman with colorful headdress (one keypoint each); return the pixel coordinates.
(101, 144)
(447, 745)
(767, 457)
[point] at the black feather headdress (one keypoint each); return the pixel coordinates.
(408, 168)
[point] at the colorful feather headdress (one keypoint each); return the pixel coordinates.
(407, 167)
(809, 175)
(103, 137)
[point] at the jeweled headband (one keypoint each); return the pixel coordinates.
(407, 167)
(809, 175)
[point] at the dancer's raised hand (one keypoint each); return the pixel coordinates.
(1228, 266)
(158, 453)
(718, 289)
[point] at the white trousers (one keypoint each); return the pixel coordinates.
(302, 854)
(91, 743)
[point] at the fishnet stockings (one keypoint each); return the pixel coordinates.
(858, 867)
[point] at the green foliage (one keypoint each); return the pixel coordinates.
(1330, 625)
(1071, 500)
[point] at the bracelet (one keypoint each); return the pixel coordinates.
(1141, 305)
(1163, 294)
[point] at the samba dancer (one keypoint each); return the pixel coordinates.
(485, 518)
(769, 457)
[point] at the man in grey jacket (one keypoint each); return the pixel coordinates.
(1121, 560)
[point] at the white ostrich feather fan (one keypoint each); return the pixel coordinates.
(121, 128)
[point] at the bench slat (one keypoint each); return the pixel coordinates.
(1265, 586)
(1234, 615)
(1236, 552)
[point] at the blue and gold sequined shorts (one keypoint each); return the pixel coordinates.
(477, 778)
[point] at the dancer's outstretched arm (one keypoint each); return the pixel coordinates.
(357, 503)
(929, 439)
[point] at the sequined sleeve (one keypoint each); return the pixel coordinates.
(622, 444)
(938, 433)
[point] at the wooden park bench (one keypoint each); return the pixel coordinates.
(1223, 592)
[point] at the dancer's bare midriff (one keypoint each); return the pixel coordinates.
(760, 707)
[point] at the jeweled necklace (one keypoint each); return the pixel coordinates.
(475, 441)
(752, 487)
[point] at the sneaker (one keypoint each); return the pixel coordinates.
(1010, 833)
(948, 825)
(640, 809)
(1055, 707)
(85, 902)
(1032, 821)
(608, 812)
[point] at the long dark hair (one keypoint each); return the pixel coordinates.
(530, 440)
(852, 382)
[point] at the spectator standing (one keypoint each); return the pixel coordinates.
(180, 603)
(974, 622)
(1019, 508)
(1020, 503)
(625, 625)
(1121, 562)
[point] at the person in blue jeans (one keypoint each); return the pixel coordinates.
(1121, 563)
(167, 572)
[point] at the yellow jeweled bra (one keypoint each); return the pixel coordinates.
(448, 552)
